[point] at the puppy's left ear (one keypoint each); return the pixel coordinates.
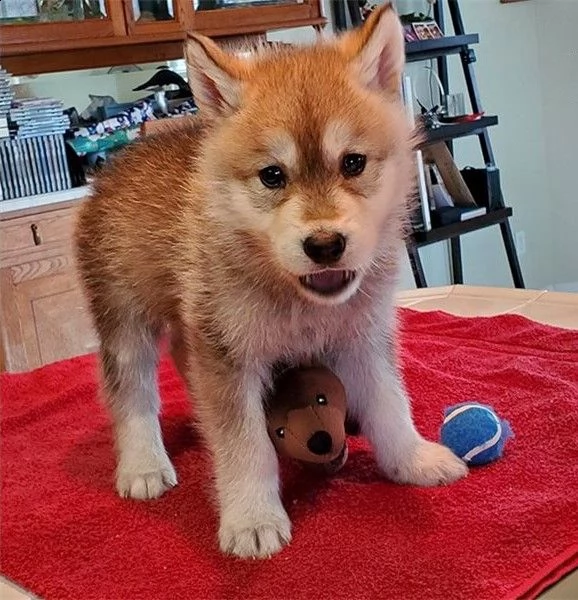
(377, 50)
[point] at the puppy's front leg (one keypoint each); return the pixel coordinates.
(253, 522)
(377, 398)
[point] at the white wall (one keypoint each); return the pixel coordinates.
(528, 75)
(557, 21)
(509, 79)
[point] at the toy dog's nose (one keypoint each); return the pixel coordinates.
(320, 443)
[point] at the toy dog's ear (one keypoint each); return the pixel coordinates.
(352, 427)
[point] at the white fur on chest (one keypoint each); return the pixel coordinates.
(257, 330)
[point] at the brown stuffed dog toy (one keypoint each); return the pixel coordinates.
(306, 417)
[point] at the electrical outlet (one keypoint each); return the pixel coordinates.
(521, 243)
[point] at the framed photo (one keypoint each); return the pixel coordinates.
(427, 30)
(409, 34)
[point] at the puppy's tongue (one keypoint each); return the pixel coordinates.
(327, 282)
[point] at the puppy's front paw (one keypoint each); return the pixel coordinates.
(145, 480)
(430, 464)
(258, 536)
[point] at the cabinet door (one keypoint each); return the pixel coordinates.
(220, 17)
(157, 17)
(44, 315)
(23, 22)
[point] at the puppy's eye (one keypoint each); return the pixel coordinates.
(321, 399)
(353, 164)
(272, 177)
(280, 433)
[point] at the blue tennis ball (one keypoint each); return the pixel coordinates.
(474, 432)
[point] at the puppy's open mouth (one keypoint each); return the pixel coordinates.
(329, 282)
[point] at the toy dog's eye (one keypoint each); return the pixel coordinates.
(280, 432)
(321, 399)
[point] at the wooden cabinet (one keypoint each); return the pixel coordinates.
(165, 17)
(105, 21)
(222, 18)
(93, 33)
(43, 311)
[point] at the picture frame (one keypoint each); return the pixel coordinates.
(427, 30)
(409, 34)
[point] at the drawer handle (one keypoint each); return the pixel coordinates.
(35, 235)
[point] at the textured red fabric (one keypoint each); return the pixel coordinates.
(505, 531)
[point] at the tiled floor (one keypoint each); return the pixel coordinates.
(552, 308)
(10, 591)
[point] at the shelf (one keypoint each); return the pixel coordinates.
(439, 234)
(457, 130)
(426, 49)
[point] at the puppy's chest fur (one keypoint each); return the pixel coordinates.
(247, 325)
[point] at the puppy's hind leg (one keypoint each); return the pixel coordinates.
(129, 355)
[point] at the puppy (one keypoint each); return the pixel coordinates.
(267, 232)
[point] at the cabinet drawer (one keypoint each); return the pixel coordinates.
(35, 231)
(44, 317)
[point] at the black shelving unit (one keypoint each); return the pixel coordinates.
(440, 49)
(446, 133)
(439, 234)
(427, 49)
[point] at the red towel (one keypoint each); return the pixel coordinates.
(507, 530)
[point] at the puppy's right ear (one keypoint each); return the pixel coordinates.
(377, 50)
(215, 77)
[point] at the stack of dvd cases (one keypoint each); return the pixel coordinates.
(33, 157)
(38, 116)
(6, 95)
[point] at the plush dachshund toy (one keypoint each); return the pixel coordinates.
(306, 417)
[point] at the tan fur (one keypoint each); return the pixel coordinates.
(181, 236)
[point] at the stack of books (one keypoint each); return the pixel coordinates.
(33, 159)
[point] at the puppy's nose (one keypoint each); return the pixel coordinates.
(320, 443)
(324, 248)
